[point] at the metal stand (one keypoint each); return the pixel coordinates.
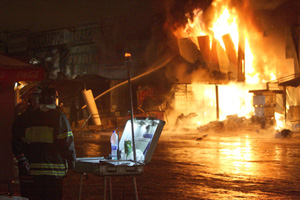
(80, 185)
(110, 187)
(135, 188)
(107, 168)
(128, 63)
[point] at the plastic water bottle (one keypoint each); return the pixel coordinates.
(114, 146)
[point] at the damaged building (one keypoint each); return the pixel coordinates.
(187, 59)
(244, 56)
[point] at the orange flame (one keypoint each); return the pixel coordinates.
(226, 23)
(279, 121)
(234, 98)
(195, 26)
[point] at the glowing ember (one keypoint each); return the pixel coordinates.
(127, 55)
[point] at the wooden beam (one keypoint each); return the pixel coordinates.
(214, 56)
(204, 45)
(209, 52)
(241, 59)
(188, 50)
(231, 53)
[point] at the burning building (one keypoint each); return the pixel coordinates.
(217, 52)
(241, 55)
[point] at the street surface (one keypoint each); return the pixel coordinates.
(189, 165)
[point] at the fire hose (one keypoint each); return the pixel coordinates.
(158, 66)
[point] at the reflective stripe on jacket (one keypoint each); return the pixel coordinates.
(39, 134)
(50, 169)
(43, 134)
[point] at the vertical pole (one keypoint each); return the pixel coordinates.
(110, 188)
(217, 101)
(118, 151)
(80, 187)
(284, 102)
(104, 188)
(241, 59)
(135, 189)
(186, 98)
(128, 62)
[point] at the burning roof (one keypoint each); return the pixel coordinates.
(244, 44)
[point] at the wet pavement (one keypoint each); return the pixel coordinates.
(188, 164)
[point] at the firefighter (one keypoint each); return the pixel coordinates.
(43, 144)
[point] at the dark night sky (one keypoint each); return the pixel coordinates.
(54, 14)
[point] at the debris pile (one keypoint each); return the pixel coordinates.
(234, 123)
(185, 120)
(284, 133)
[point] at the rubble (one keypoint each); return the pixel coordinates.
(201, 138)
(185, 119)
(284, 133)
(234, 123)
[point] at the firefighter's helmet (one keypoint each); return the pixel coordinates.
(48, 96)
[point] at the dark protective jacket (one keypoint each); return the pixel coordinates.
(45, 139)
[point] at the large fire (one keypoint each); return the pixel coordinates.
(259, 65)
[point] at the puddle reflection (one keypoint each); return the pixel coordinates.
(216, 167)
(246, 162)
